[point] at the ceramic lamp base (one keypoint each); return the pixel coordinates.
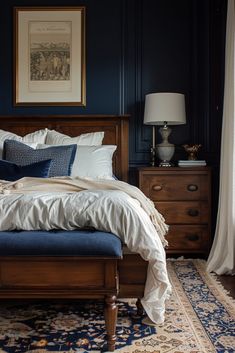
(165, 153)
(166, 164)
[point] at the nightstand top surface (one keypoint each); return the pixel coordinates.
(150, 168)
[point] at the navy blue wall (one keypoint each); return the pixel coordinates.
(134, 47)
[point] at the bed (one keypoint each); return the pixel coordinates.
(116, 132)
(132, 269)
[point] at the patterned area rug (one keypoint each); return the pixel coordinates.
(200, 318)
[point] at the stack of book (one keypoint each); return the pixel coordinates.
(192, 163)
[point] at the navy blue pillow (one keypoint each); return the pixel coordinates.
(11, 171)
(62, 157)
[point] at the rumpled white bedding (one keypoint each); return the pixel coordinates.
(113, 206)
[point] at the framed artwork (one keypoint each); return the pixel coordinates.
(49, 60)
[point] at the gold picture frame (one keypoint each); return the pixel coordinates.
(49, 56)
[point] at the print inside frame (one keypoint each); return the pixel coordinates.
(49, 60)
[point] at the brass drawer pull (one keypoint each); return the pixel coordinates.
(157, 187)
(192, 237)
(192, 212)
(192, 187)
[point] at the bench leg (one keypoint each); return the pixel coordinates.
(110, 315)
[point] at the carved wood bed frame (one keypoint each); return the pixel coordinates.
(115, 128)
(132, 269)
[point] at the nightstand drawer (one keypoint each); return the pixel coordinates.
(187, 237)
(175, 187)
(190, 212)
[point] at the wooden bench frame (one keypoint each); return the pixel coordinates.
(63, 277)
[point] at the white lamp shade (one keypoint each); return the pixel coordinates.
(164, 107)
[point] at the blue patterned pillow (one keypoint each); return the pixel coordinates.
(62, 157)
(11, 171)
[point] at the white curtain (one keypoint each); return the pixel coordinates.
(222, 256)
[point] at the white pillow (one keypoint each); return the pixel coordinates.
(92, 162)
(89, 139)
(35, 137)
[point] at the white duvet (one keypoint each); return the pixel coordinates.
(112, 206)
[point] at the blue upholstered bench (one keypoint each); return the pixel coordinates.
(60, 243)
(62, 264)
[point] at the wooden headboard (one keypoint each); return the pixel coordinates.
(115, 128)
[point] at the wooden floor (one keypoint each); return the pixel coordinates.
(228, 283)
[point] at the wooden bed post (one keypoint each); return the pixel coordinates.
(140, 309)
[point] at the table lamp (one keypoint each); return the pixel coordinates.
(164, 109)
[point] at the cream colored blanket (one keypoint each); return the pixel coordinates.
(67, 184)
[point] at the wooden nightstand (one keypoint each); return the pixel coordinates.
(183, 197)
